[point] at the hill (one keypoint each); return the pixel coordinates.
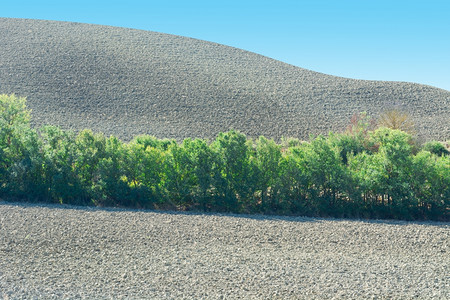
(127, 82)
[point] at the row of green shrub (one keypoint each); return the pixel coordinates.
(360, 173)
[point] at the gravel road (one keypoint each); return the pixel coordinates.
(55, 252)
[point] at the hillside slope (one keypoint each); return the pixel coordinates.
(127, 82)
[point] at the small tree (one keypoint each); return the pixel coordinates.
(109, 185)
(267, 161)
(14, 121)
(61, 179)
(90, 149)
(179, 175)
(395, 119)
(20, 156)
(329, 177)
(13, 115)
(395, 154)
(356, 137)
(143, 170)
(294, 181)
(430, 182)
(436, 148)
(203, 160)
(232, 178)
(360, 125)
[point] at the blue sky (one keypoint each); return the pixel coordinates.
(365, 39)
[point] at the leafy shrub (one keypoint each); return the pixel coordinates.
(430, 182)
(327, 174)
(362, 172)
(266, 160)
(61, 181)
(203, 160)
(395, 119)
(232, 171)
(109, 186)
(20, 156)
(436, 148)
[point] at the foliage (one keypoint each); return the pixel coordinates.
(20, 157)
(145, 170)
(360, 125)
(232, 170)
(266, 162)
(431, 184)
(396, 119)
(358, 173)
(356, 138)
(328, 176)
(436, 148)
(294, 182)
(202, 163)
(59, 149)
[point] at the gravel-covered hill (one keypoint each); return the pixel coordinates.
(127, 82)
(52, 252)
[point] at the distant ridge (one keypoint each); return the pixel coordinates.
(127, 82)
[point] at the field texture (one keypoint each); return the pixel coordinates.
(127, 82)
(56, 252)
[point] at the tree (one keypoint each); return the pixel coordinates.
(436, 148)
(62, 182)
(430, 183)
(90, 148)
(20, 156)
(267, 160)
(360, 125)
(14, 122)
(294, 181)
(395, 119)
(233, 171)
(14, 116)
(179, 176)
(110, 187)
(356, 137)
(369, 182)
(394, 156)
(143, 170)
(202, 162)
(328, 177)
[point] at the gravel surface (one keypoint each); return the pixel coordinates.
(56, 252)
(127, 82)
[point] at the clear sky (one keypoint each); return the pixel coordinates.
(365, 39)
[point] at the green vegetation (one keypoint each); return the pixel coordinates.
(360, 173)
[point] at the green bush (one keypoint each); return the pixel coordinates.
(328, 176)
(20, 155)
(233, 171)
(109, 186)
(61, 180)
(360, 173)
(202, 162)
(436, 148)
(266, 160)
(430, 182)
(294, 182)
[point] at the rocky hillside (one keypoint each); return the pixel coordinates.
(127, 82)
